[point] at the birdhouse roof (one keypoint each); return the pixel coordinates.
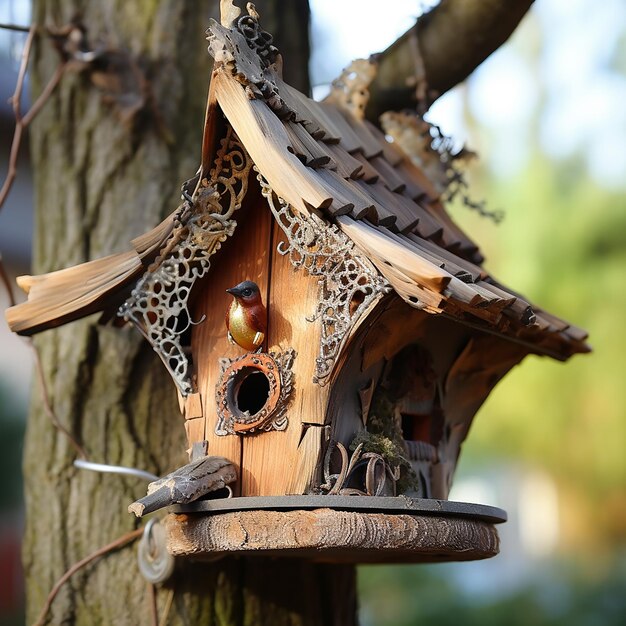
(322, 158)
(326, 158)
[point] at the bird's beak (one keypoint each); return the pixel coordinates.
(233, 291)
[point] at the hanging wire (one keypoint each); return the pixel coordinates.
(115, 469)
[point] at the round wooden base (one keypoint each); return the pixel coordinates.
(456, 532)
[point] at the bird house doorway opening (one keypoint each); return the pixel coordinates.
(249, 391)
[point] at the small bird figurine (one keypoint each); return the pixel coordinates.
(246, 319)
(186, 484)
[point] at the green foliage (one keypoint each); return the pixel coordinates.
(425, 594)
(379, 444)
(563, 245)
(12, 423)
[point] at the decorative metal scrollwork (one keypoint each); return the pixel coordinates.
(248, 54)
(377, 477)
(269, 412)
(349, 283)
(351, 89)
(158, 305)
(258, 39)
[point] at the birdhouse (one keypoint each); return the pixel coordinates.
(330, 330)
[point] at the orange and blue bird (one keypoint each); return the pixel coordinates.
(246, 319)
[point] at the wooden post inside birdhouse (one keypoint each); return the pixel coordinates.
(330, 330)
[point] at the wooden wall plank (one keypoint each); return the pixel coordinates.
(272, 461)
(245, 256)
(195, 431)
(304, 473)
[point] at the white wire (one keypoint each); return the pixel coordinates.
(115, 469)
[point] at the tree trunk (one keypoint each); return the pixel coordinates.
(99, 183)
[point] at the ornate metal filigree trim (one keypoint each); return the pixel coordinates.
(349, 283)
(158, 305)
(419, 140)
(443, 162)
(350, 89)
(259, 40)
(277, 368)
(369, 471)
(247, 53)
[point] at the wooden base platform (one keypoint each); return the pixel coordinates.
(350, 530)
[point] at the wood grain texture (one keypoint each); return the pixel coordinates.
(289, 592)
(195, 429)
(383, 250)
(467, 363)
(186, 484)
(475, 372)
(266, 140)
(271, 461)
(62, 296)
(246, 256)
(327, 535)
(306, 469)
(307, 172)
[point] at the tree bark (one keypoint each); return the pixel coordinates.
(99, 183)
(443, 48)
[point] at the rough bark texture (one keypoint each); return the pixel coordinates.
(99, 183)
(289, 24)
(452, 40)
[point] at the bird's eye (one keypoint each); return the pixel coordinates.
(247, 293)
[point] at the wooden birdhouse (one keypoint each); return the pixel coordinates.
(339, 404)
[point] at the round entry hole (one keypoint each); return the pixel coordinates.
(251, 389)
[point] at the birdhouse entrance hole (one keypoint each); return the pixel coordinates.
(248, 391)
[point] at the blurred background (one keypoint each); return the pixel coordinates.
(547, 115)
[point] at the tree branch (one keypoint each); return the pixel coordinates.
(443, 48)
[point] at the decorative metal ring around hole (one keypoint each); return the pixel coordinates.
(247, 401)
